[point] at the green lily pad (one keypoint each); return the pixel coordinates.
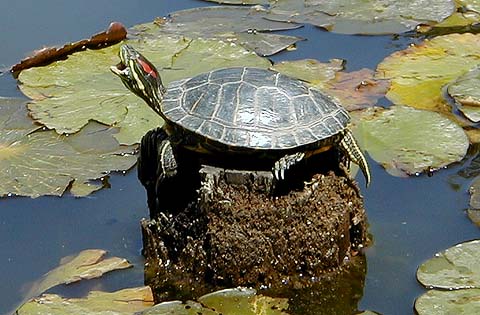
(38, 162)
(227, 302)
(409, 141)
(310, 70)
(436, 302)
(457, 270)
(229, 23)
(265, 44)
(419, 73)
(123, 302)
(14, 123)
(464, 91)
(67, 94)
(454, 268)
(361, 16)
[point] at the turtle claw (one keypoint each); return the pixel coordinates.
(285, 163)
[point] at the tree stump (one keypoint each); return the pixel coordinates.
(239, 231)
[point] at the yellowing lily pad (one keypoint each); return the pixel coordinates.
(231, 23)
(88, 264)
(124, 302)
(37, 162)
(467, 13)
(408, 141)
(457, 270)
(361, 16)
(465, 92)
(419, 73)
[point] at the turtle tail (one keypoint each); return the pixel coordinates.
(350, 146)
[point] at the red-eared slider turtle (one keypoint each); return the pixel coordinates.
(243, 111)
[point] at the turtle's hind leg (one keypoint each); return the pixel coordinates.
(349, 145)
(285, 163)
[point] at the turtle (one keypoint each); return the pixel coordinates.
(241, 112)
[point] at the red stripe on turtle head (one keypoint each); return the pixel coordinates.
(147, 67)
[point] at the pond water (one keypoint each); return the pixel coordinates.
(410, 218)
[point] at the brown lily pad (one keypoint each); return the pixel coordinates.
(358, 89)
(115, 33)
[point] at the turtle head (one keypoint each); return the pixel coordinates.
(140, 76)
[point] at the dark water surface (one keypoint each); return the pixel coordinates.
(410, 219)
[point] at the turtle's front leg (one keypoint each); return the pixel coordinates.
(155, 163)
(285, 163)
(167, 166)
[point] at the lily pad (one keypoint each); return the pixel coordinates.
(265, 44)
(466, 94)
(357, 89)
(123, 302)
(227, 302)
(454, 268)
(37, 162)
(474, 211)
(229, 23)
(466, 15)
(457, 270)
(354, 90)
(242, 2)
(419, 73)
(14, 123)
(409, 141)
(363, 17)
(88, 264)
(474, 191)
(474, 216)
(436, 302)
(310, 70)
(68, 94)
(115, 33)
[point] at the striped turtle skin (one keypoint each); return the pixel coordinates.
(241, 109)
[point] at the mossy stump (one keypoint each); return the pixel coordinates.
(240, 232)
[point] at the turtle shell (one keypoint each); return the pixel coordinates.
(253, 108)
